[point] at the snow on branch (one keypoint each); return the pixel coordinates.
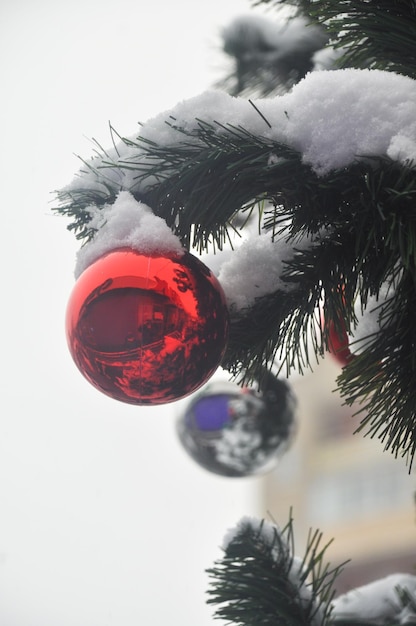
(332, 118)
(257, 268)
(259, 577)
(389, 600)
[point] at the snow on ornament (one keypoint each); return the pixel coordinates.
(238, 432)
(145, 328)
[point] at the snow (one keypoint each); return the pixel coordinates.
(332, 118)
(378, 602)
(127, 224)
(254, 270)
(340, 116)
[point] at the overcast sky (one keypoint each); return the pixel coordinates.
(104, 521)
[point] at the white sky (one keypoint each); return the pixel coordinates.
(103, 519)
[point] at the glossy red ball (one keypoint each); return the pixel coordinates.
(147, 330)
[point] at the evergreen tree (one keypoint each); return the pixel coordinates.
(326, 170)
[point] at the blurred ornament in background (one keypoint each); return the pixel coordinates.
(235, 431)
(147, 330)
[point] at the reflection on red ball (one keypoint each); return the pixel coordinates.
(147, 329)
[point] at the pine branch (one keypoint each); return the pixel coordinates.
(388, 601)
(259, 581)
(216, 171)
(387, 392)
(75, 205)
(376, 34)
(198, 185)
(97, 184)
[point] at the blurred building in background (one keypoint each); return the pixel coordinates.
(345, 485)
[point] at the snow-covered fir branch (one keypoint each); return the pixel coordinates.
(289, 589)
(332, 118)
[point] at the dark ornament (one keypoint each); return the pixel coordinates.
(237, 432)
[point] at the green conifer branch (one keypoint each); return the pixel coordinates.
(387, 392)
(375, 34)
(258, 582)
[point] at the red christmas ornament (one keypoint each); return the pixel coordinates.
(147, 329)
(338, 343)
